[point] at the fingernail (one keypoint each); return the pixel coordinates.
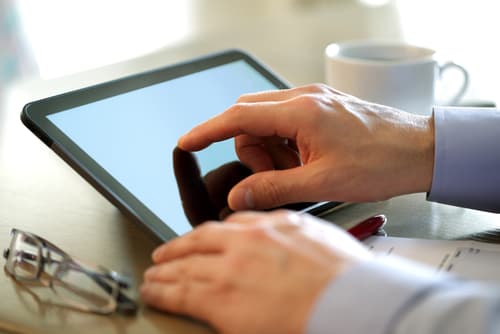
(243, 199)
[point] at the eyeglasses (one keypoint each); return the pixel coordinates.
(34, 260)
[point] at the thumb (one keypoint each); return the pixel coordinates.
(269, 189)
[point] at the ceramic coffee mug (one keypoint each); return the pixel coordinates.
(395, 74)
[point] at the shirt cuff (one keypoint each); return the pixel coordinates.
(367, 297)
(467, 158)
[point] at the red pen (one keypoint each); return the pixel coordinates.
(368, 227)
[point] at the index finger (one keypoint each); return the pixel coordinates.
(286, 94)
(209, 237)
(263, 119)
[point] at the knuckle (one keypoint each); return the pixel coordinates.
(205, 228)
(223, 283)
(201, 231)
(314, 111)
(236, 109)
(308, 101)
(209, 225)
(320, 88)
(317, 88)
(243, 98)
(253, 234)
(183, 270)
(285, 215)
(236, 263)
(286, 221)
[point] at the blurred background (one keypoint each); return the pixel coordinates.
(50, 46)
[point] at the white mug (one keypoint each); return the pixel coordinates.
(395, 74)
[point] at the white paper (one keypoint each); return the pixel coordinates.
(468, 259)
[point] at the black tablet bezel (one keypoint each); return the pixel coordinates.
(34, 117)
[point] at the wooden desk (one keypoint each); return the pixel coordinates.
(41, 194)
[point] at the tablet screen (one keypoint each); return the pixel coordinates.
(132, 135)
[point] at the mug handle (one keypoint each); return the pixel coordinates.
(465, 84)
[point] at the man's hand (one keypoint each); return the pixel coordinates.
(256, 273)
(314, 143)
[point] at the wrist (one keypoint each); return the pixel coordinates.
(413, 154)
(426, 148)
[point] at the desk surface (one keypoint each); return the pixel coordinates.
(41, 194)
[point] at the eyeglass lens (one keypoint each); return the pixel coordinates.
(24, 257)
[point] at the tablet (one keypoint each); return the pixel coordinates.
(121, 137)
